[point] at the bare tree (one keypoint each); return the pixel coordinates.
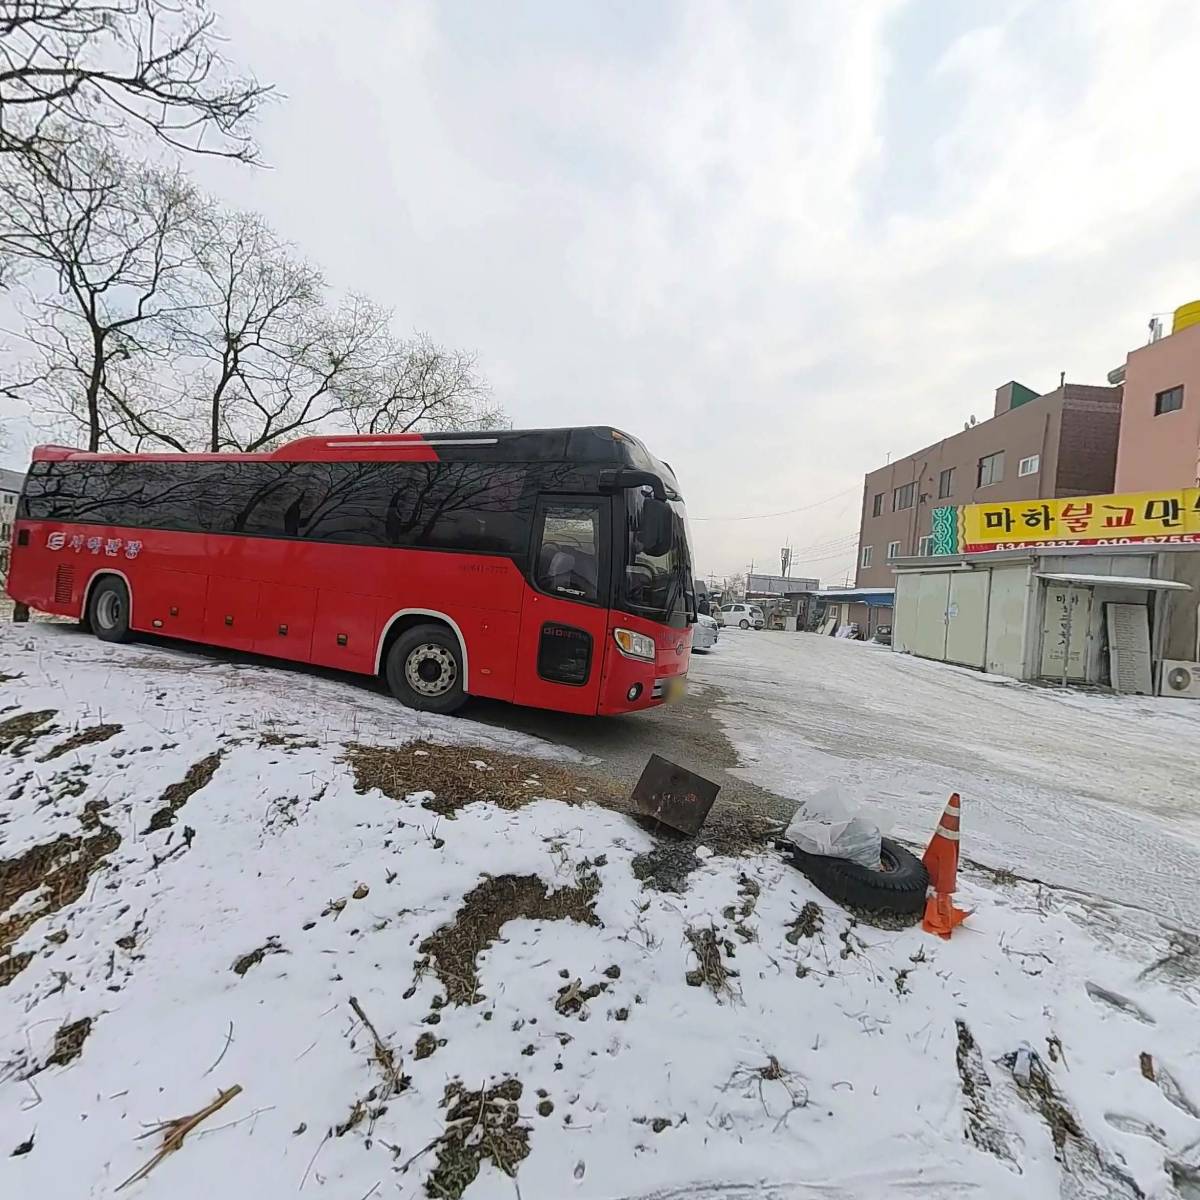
(253, 298)
(109, 261)
(262, 355)
(69, 68)
(417, 384)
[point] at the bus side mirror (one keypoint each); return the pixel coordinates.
(615, 479)
(655, 530)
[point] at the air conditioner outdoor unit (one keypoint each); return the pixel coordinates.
(1179, 679)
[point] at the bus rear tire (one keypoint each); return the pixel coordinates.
(108, 610)
(424, 670)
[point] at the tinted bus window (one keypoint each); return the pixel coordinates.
(452, 506)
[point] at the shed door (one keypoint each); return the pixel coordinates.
(966, 618)
(1065, 623)
(928, 635)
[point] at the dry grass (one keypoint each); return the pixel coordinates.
(84, 737)
(461, 775)
(176, 796)
(752, 1081)
(981, 1124)
(808, 924)
(710, 970)
(59, 870)
(486, 909)
(480, 1124)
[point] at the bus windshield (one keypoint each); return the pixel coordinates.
(659, 585)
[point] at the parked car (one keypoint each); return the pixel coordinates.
(704, 633)
(744, 616)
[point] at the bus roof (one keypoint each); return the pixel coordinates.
(594, 443)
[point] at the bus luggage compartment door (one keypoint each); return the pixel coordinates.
(231, 612)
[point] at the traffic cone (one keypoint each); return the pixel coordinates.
(941, 861)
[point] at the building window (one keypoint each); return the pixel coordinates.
(946, 483)
(1029, 466)
(902, 497)
(991, 470)
(893, 550)
(1169, 401)
(925, 546)
(866, 555)
(877, 507)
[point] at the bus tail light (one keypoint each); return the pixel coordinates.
(634, 645)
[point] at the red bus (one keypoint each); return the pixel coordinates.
(545, 567)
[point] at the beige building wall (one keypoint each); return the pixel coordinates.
(1161, 450)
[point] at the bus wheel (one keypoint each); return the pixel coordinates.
(424, 669)
(108, 610)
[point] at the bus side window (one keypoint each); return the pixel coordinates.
(567, 559)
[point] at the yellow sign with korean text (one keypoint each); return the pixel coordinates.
(1122, 519)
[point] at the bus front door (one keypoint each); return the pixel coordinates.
(560, 656)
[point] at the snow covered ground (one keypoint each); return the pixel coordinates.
(215, 903)
(1094, 792)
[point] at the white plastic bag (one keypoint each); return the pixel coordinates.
(827, 824)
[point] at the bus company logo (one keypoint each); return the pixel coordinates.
(110, 547)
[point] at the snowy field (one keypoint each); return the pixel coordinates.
(1095, 792)
(217, 876)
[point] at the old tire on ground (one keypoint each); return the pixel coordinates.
(108, 610)
(424, 669)
(898, 888)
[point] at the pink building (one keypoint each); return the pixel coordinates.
(1159, 445)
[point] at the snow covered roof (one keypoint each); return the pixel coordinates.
(1131, 581)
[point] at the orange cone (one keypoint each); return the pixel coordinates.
(941, 861)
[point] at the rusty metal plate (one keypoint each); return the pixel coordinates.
(673, 795)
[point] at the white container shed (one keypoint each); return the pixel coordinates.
(1088, 616)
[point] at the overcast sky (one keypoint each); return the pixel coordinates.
(777, 241)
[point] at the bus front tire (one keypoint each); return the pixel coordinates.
(424, 670)
(108, 610)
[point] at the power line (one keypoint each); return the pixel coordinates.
(786, 512)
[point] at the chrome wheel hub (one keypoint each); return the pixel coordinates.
(430, 669)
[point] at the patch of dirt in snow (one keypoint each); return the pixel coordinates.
(177, 795)
(246, 961)
(58, 871)
(485, 911)
(18, 733)
(1089, 1172)
(808, 924)
(981, 1123)
(480, 1124)
(710, 970)
(83, 737)
(68, 1043)
(460, 775)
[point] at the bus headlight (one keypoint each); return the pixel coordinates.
(634, 645)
